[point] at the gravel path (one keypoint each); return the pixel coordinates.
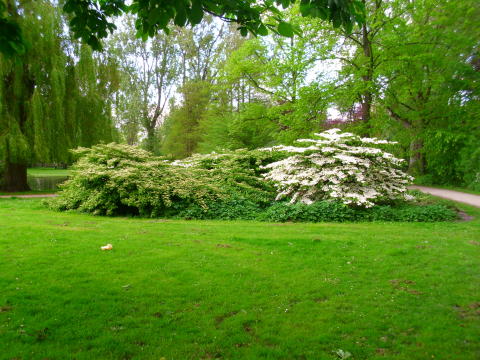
(28, 196)
(469, 199)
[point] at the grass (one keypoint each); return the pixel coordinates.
(32, 192)
(235, 290)
(47, 172)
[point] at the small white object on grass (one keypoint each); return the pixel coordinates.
(107, 247)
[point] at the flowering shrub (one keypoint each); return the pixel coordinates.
(120, 179)
(338, 166)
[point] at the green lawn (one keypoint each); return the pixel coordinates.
(235, 290)
(45, 172)
(32, 192)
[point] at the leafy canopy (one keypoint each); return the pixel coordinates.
(91, 20)
(11, 39)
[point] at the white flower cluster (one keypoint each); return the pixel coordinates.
(339, 166)
(196, 159)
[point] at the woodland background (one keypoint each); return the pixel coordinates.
(410, 73)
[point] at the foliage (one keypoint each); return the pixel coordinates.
(90, 19)
(250, 128)
(181, 134)
(11, 37)
(339, 166)
(229, 209)
(240, 170)
(53, 97)
(120, 179)
(2, 171)
(320, 211)
(327, 211)
(471, 165)
(149, 71)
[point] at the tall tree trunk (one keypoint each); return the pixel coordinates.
(416, 165)
(150, 142)
(366, 105)
(15, 178)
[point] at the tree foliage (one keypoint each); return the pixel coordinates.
(49, 102)
(91, 19)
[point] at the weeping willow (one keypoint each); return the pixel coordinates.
(50, 99)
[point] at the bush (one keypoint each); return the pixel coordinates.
(241, 172)
(118, 179)
(339, 166)
(321, 211)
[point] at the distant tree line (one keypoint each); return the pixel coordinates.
(409, 71)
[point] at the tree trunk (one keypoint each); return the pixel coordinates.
(416, 165)
(15, 178)
(150, 141)
(366, 105)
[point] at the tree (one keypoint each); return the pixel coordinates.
(272, 86)
(48, 103)
(430, 82)
(24, 123)
(150, 74)
(201, 52)
(181, 127)
(92, 20)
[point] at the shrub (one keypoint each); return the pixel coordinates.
(241, 172)
(338, 166)
(120, 179)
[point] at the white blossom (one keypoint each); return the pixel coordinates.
(340, 166)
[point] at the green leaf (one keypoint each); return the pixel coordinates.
(262, 30)
(196, 12)
(305, 9)
(285, 29)
(181, 17)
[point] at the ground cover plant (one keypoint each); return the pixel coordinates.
(235, 290)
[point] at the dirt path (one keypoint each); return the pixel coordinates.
(465, 198)
(27, 196)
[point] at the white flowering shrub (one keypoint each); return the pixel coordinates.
(116, 179)
(338, 166)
